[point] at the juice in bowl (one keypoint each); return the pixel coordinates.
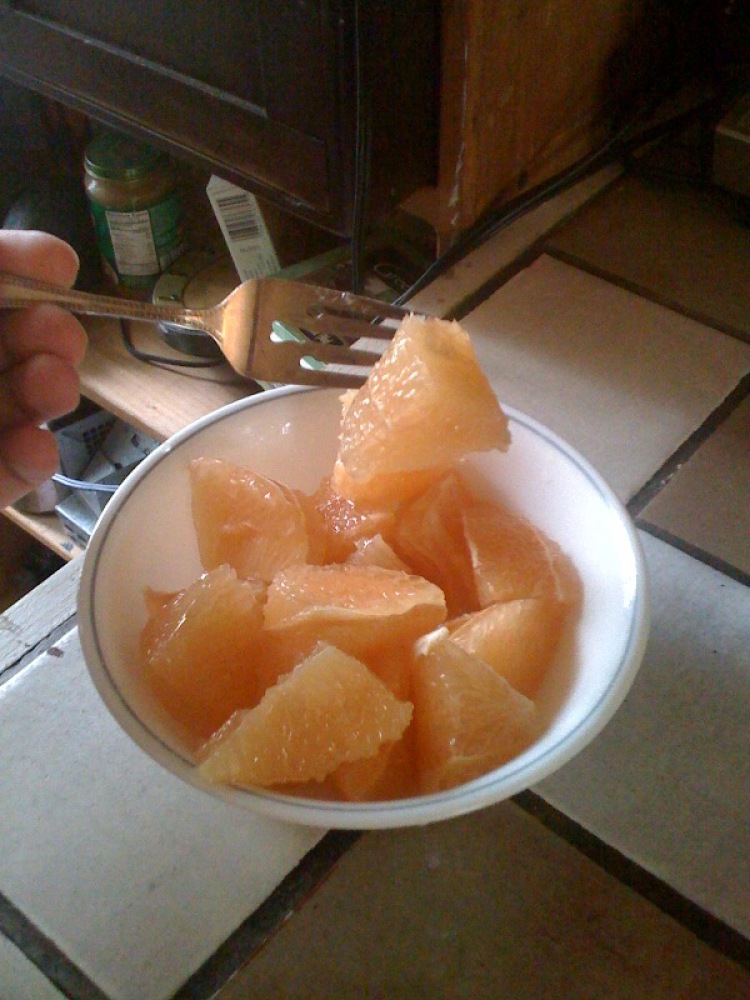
(375, 609)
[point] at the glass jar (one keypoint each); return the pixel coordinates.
(136, 209)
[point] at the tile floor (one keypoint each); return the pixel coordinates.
(19, 977)
(705, 503)
(587, 358)
(668, 781)
(619, 336)
(679, 244)
(479, 908)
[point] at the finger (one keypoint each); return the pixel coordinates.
(33, 254)
(40, 389)
(28, 457)
(41, 330)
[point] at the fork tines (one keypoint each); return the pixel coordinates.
(330, 354)
(356, 306)
(349, 316)
(322, 339)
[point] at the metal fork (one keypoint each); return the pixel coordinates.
(269, 329)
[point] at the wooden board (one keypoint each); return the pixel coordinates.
(157, 400)
(26, 624)
(528, 87)
(47, 529)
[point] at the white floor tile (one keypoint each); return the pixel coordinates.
(135, 876)
(624, 380)
(668, 781)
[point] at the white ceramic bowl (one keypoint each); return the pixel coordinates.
(145, 538)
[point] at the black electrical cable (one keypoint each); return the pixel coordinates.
(629, 137)
(159, 359)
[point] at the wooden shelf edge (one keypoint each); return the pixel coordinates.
(46, 528)
(156, 400)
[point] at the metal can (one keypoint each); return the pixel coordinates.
(137, 213)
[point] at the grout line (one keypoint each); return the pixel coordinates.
(700, 922)
(645, 293)
(42, 952)
(39, 648)
(475, 298)
(688, 448)
(580, 211)
(260, 926)
(535, 249)
(695, 551)
(602, 180)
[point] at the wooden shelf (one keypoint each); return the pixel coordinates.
(47, 529)
(157, 400)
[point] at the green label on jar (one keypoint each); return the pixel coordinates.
(139, 245)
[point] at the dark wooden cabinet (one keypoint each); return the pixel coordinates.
(324, 108)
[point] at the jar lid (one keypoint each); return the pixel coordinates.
(113, 156)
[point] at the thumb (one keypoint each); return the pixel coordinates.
(38, 255)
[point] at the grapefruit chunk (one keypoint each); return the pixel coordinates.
(329, 710)
(375, 551)
(337, 523)
(468, 720)
(513, 559)
(429, 536)
(384, 490)
(251, 523)
(200, 650)
(357, 608)
(518, 639)
(424, 405)
(388, 775)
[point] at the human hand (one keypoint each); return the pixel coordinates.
(40, 350)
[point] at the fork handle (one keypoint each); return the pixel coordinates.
(19, 293)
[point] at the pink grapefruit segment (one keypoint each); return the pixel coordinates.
(468, 719)
(328, 711)
(245, 520)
